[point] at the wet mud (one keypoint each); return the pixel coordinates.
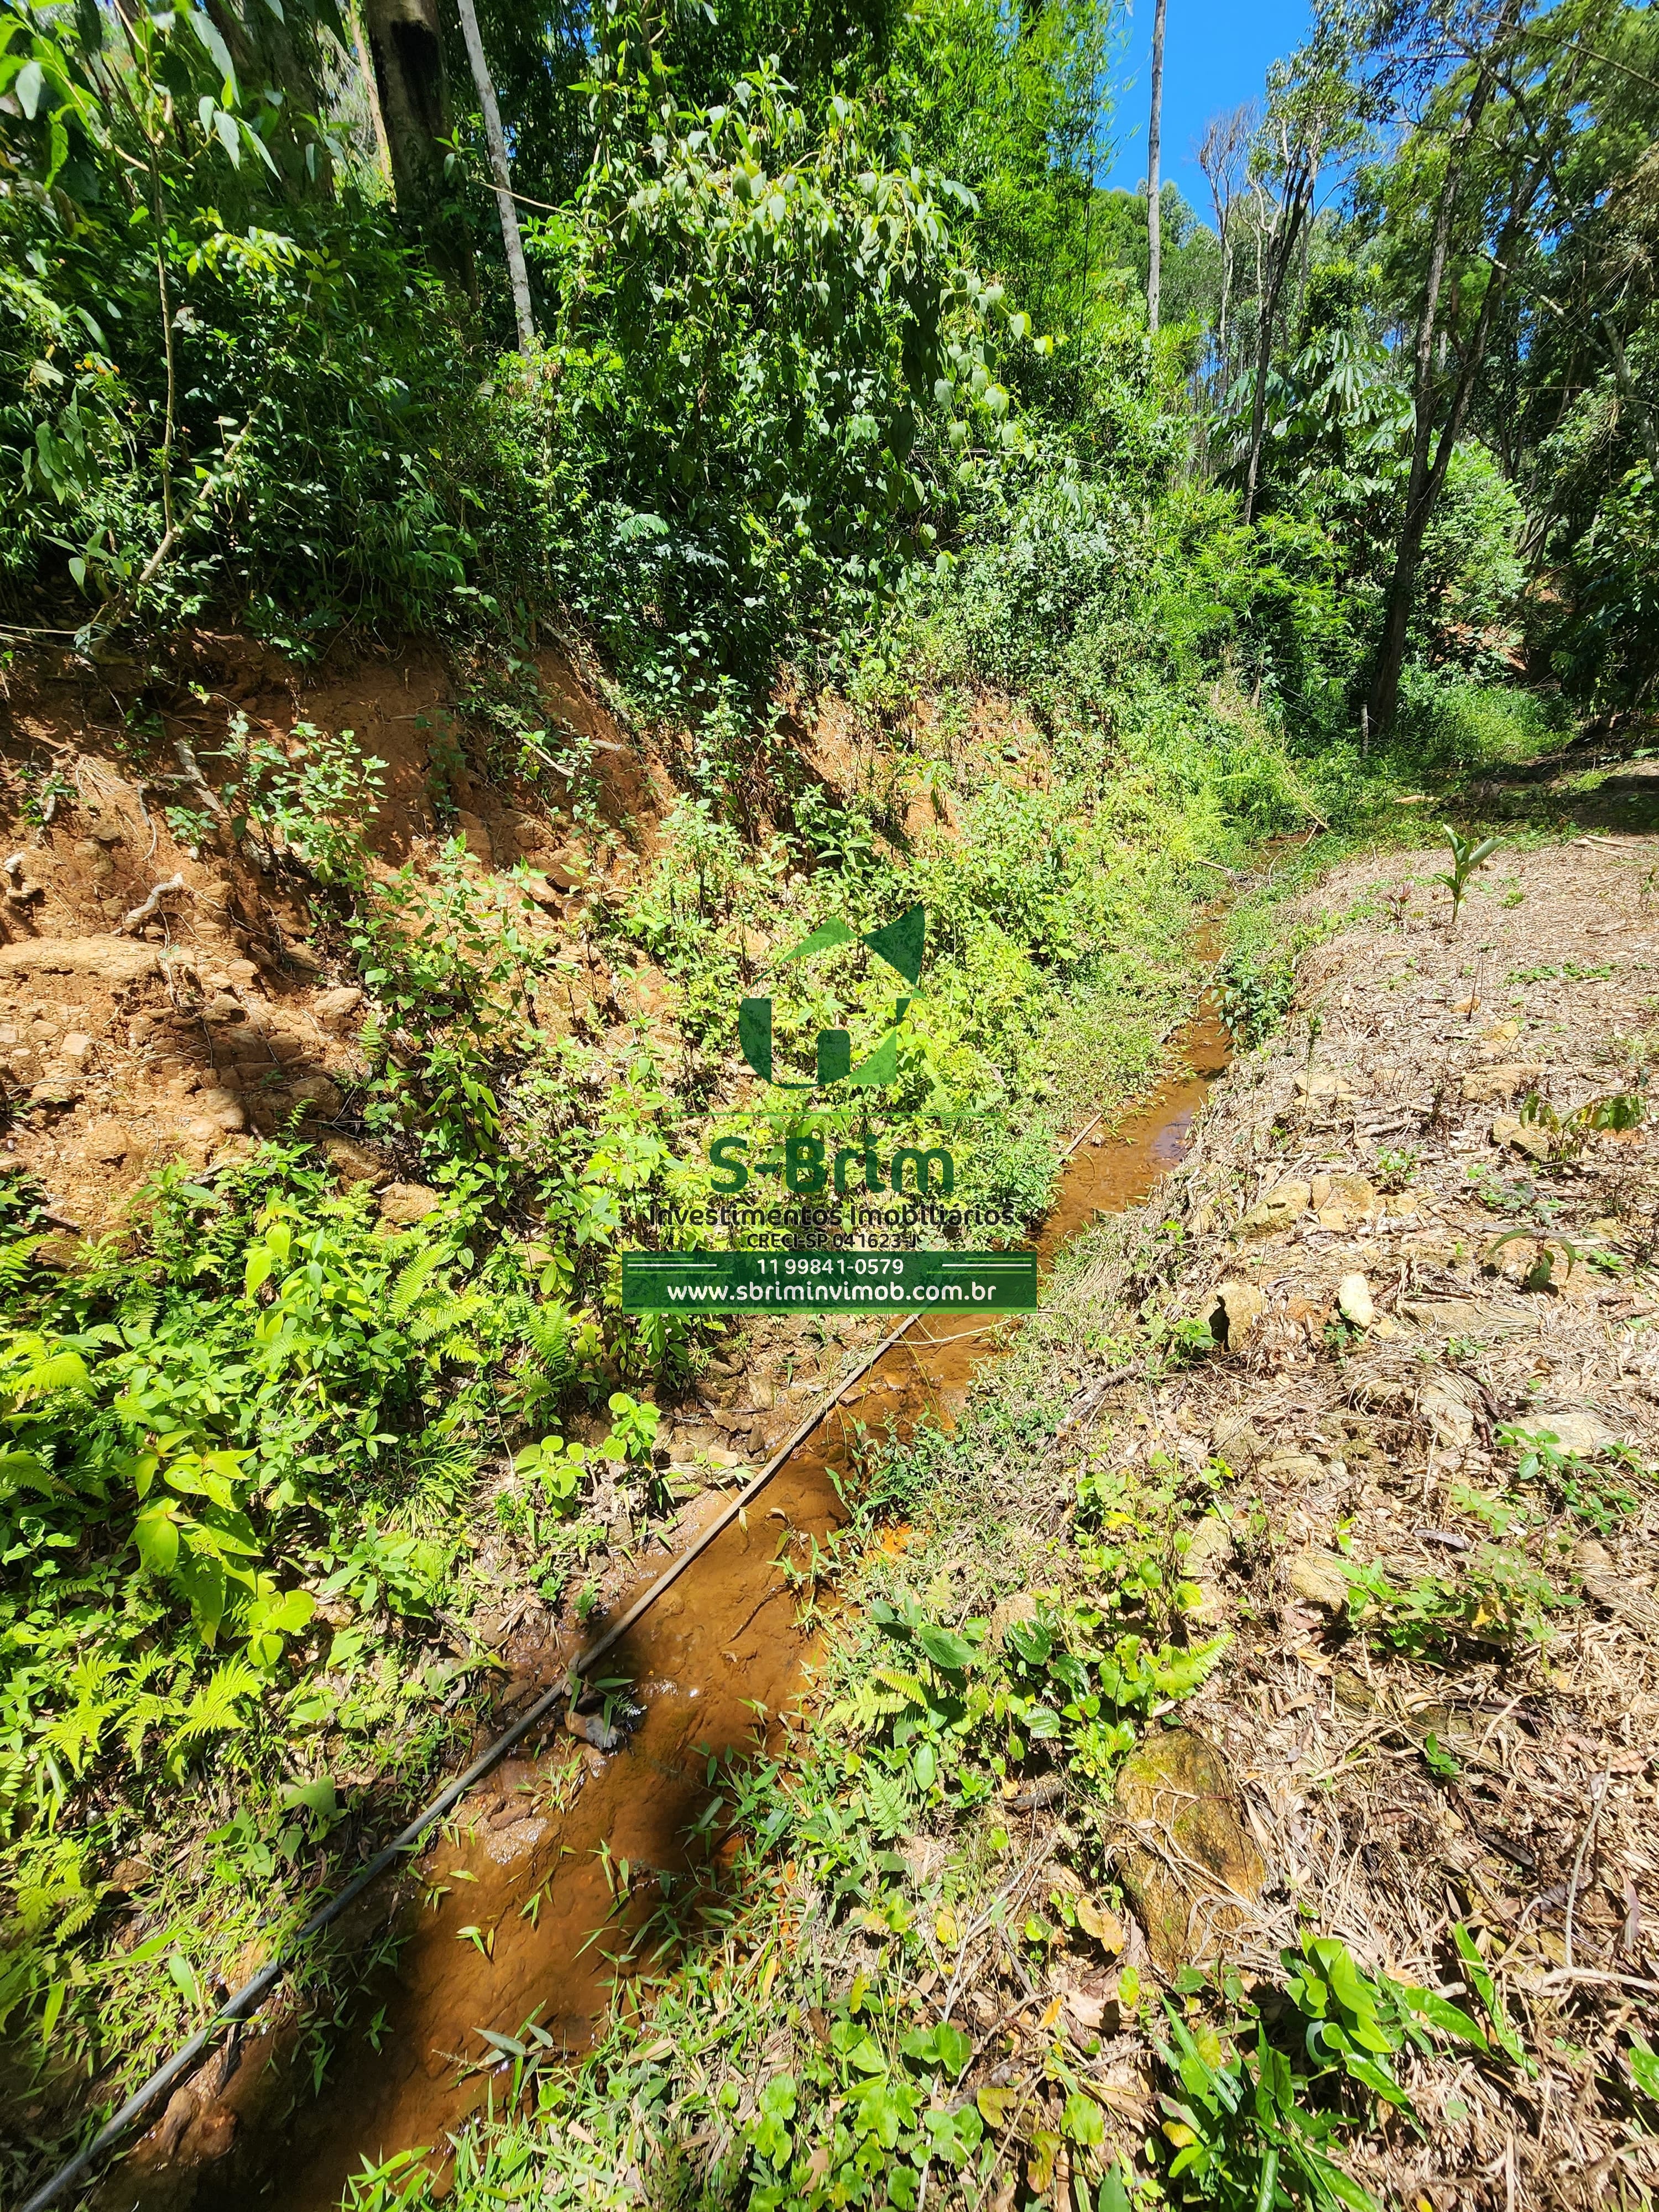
(520, 1909)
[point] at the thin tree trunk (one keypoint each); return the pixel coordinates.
(1154, 133)
(1226, 287)
(1628, 392)
(518, 275)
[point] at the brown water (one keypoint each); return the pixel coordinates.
(722, 1641)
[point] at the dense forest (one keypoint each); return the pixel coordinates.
(514, 526)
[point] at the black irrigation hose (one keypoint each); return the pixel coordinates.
(242, 2004)
(247, 2001)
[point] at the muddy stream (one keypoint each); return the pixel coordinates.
(722, 1639)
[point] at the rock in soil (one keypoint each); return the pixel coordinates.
(1186, 1860)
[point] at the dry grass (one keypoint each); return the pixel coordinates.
(1481, 1748)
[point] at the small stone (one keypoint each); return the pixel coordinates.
(1448, 1413)
(108, 1141)
(1238, 1309)
(1007, 1612)
(1238, 1441)
(541, 892)
(1318, 1580)
(302, 957)
(1353, 1298)
(1210, 1549)
(1209, 1552)
(1349, 1199)
(402, 1203)
(222, 1009)
(1529, 1137)
(76, 1048)
(55, 1090)
(335, 1007)
(1293, 1467)
(200, 1129)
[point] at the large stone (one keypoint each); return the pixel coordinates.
(1323, 1083)
(110, 959)
(402, 1203)
(353, 1162)
(336, 1007)
(1277, 1210)
(1318, 1580)
(1186, 1860)
(1487, 1086)
(1238, 1309)
(1577, 1435)
(1529, 1137)
(475, 836)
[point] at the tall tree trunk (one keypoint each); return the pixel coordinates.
(280, 53)
(1298, 195)
(1425, 481)
(371, 94)
(405, 44)
(518, 275)
(1419, 510)
(1154, 213)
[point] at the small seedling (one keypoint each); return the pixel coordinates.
(1540, 1275)
(1465, 858)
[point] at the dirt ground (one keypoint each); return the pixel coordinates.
(1440, 1706)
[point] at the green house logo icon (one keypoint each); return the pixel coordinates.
(901, 945)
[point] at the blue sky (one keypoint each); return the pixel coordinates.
(1215, 54)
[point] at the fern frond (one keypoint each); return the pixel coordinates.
(413, 1281)
(213, 1710)
(547, 1329)
(907, 1686)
